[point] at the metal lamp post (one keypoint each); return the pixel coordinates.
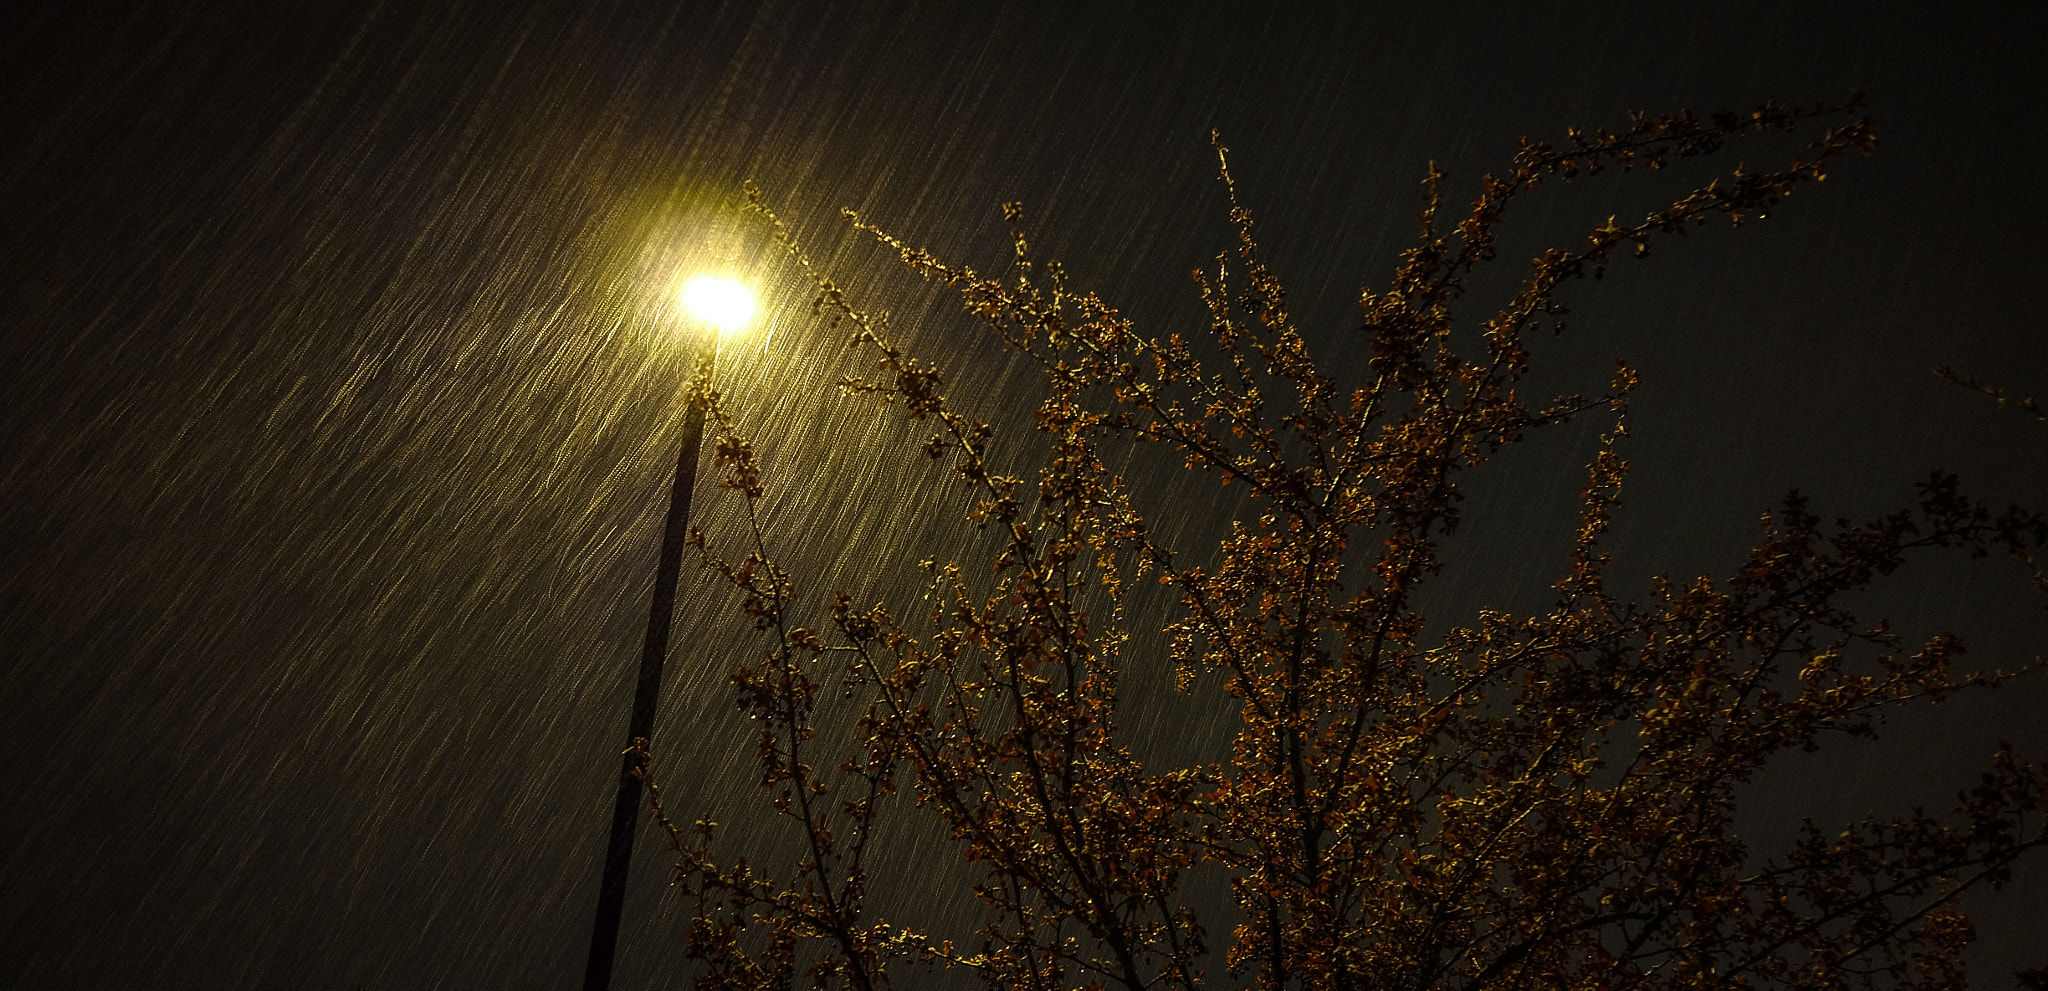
(725, 305)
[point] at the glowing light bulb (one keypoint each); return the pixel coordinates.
(722, 303)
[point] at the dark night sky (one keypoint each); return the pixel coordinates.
(336, 422)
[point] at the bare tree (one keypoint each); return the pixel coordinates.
(1542, 800)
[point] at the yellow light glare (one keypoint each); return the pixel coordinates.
(722, 303)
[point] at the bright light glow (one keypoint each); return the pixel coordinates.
(722, 303)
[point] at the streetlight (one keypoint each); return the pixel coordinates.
(725, 305)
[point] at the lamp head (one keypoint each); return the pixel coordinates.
(723, 303)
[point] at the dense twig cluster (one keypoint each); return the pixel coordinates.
(1528, 801)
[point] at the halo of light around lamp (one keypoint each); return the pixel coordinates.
(723, 303)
